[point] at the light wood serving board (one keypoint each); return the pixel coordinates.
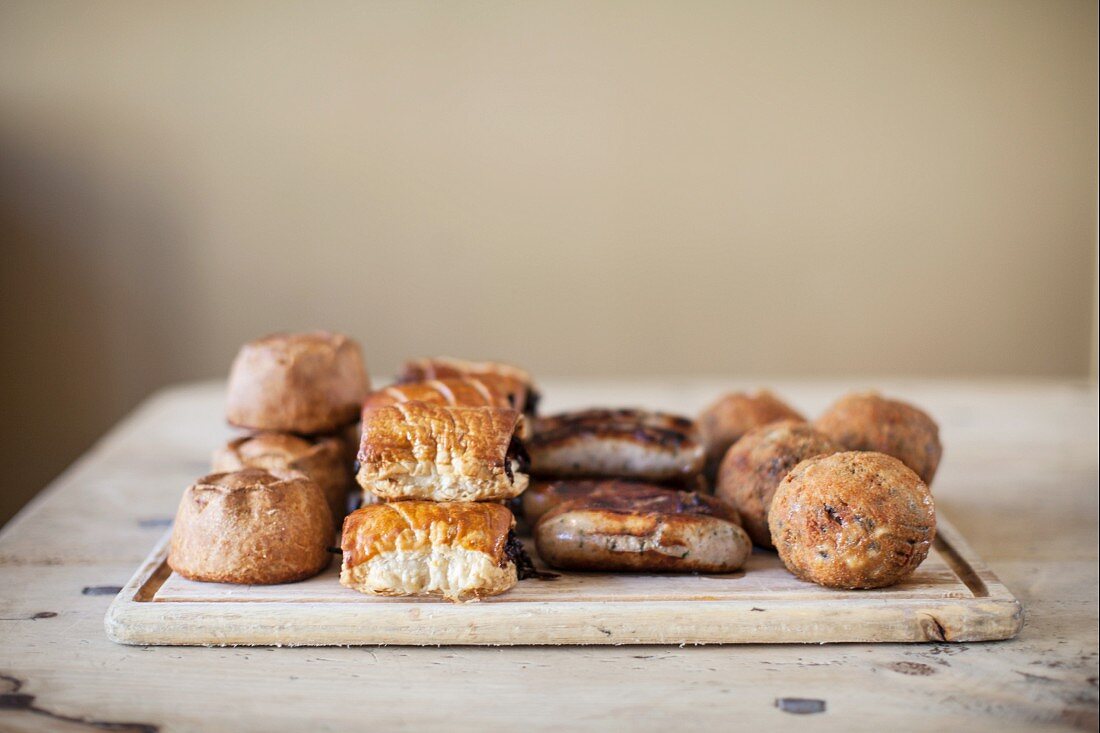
(951, 597)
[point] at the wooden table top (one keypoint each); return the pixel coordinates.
(1019, 480)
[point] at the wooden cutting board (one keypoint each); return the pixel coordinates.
(952, 597)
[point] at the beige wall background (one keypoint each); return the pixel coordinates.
(609, 188)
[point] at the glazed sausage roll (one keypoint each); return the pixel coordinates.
(458, 550)
(443, 367)
(636, 527)
(416, 450)
(634, 444)
(487, 390)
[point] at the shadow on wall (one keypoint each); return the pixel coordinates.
(73, 310)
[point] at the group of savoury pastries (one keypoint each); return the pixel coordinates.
(444, 456)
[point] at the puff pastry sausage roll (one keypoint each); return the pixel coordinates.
(416, 450)
(598, 443)
(637, 527)
(458, 550)
(481, 391)
(442, 367)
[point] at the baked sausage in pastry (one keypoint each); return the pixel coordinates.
(599, 443)
(305, 383)
(443, 367)
(458, 550)
(487, 390)
(323, 460)
(416, 450)
(636, 527)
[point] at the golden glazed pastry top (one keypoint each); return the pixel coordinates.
(439, 367)
(487, 390)
(412, 525)
(469, 440)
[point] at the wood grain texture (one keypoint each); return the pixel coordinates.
(1018, 479)
(952, 597)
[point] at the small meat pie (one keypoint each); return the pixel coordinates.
(630, 444)
(458, 550)
(755, 465)
(870, 422)
(852, 520)
(323, 461)
(251, 527)
(305, 383)
(415, 450)
(444, 367)
(635, 527)
(734, 414)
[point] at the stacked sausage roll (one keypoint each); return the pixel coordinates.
(442, 454)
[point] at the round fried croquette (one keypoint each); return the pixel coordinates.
(870, 422)
(754, 466)
(852, 520)
(734, 414)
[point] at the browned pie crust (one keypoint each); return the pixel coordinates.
(323, 460)
(638, 527)
(755, 464)
(305, 383)
(251, 527)
(852, 520)
(870, 422)
(724, 422)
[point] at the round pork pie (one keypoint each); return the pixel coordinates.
(304, 383)
(323, 460)
(251, 527)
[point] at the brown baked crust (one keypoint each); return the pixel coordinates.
(409, 525)
(445, 367)
(415, 450)
(638, 527)
(755, 464)
(868, 421)
(732, 415)
(324, 460)
(669, 439)
(251, 527)
(852, 520)
(305, 383)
